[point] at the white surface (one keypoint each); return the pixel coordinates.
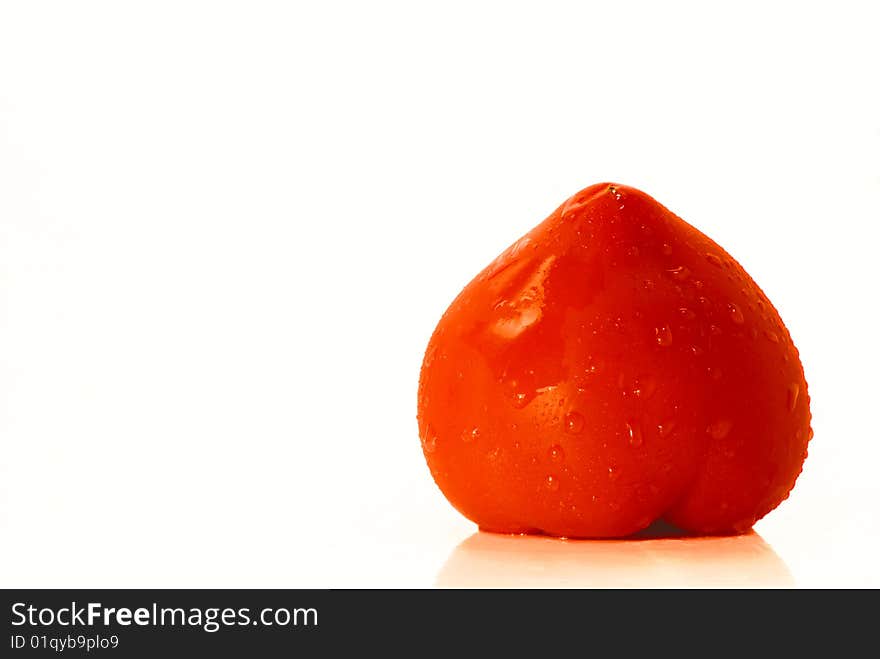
(228, 229)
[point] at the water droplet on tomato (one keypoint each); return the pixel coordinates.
(793, 391)
(552, 483)
(667, 249)
(635, 434)
(574, 423)
(470, 434)
(686, 313)
(663, 336)
(714, 260)
(520, 400)
(663, 429)
(644, 387)
(429, 443)
(556, 452)
(679, 273)
(735, 314)
(715, 373)
(720, 429)
(772, 336)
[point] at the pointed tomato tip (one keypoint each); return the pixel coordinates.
(610, 188)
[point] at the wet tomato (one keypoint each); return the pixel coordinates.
(611, 368)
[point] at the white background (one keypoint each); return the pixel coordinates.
(228, 229)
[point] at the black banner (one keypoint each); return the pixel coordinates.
(134, 623)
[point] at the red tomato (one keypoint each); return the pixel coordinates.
(611, 368)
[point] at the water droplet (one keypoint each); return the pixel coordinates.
(635, 434)
(772, 336)
(714, 260)
(430, 355)
(719, 429)
(679, 273)
(471, 434)
(644, 387)
(556, 452)
(714, 329)
(429, 443)
(663, 336)
(810, 434)
(667, 249)
(552, 483)
(612, 472)
(594, 366)
(793, 391)
(574, 423)
(494, 454)
(697, 350)
(686, 313)
(633, 251)
(735, 314)
(648, 285)
(715, 373)
(520, 400)
(663, 429)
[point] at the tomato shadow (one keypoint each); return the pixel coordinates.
(658, 557)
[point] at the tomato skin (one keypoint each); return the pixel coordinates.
(613, 367)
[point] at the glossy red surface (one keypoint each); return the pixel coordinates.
(612, 367)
